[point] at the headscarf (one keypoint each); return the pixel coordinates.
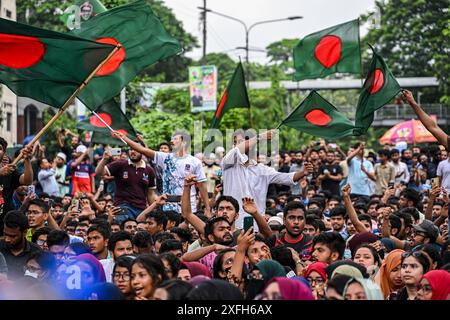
(97, 268)
(292, 289)
(347, 270)
(440, 282)
(330, 269)
(301, 279)
(372, 290)
(360, 238)
(392, 261)
(215, 290)
(318, 267)
(197, 269)
(195, 281)
(270, 269)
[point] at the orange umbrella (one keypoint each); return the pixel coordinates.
(412, 131)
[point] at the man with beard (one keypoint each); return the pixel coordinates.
(135, 183)
(401, 169)
(293, 237)
(14, 246)
(176, 166)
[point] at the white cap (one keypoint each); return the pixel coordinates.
(62, 156)
(212, 156)
(220, 149)
(276, 219)
(281, 215)
(81, 149)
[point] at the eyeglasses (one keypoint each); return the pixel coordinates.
(426, 288)
(265, 296)
(413, 253)
(253, 276)
(41, 242)
(314, 281)
(124, 276)
(31, 269)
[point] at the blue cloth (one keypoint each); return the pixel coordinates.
(131, 212)
(358, 180)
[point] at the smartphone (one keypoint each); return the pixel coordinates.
(332, 145)
(390, 185)
(30, 189)
(248, 223)
(75, 204)
(435, 182)
(173, 198)
(115, 151)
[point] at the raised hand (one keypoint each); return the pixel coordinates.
(245, 239)
(7, 170)
(190, 180)
(249, 206)
(346, 190)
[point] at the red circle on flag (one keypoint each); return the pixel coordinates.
(328, 51)
(20, 51)
(376, 81)
(318, 117)
(114, 62)
(96, 122)
(123, 131)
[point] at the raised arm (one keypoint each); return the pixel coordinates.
(433, 195)
(135, 146)
(359, 226)
(249, 206)
(243, 242)
(159, 201)
(426, 120)
(186, 209)
(27, 177)
(353, 153)
(100, 169)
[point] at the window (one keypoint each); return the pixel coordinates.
(8, 121)
(8, 13)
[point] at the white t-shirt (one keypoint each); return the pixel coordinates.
(443, 171)
(249, 181)
(174, 171)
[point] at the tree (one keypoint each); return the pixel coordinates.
(413, 37)
(280, 53)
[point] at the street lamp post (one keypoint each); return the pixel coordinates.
(247, 32)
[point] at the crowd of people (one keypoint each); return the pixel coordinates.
(324, 222)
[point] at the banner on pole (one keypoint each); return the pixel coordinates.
(203, 88)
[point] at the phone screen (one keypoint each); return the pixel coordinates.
(248, 223)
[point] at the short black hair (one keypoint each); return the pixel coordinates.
(153, 265)
(124, 261)
(142, 239)
(39, 232)
(163, 236)
(312, 220)
(58, 238)
(407, 218)
(40, 203)
(16, 219)
(365, 217)
(172, 215)
(164, 144)
(116, 237)
(293, 205)
(185, 235)
(411, 195)
(159, 217)
(283, 255)
(122, 225)
(413, 212)
(3, 143)
(333, 240)
(209, 225)
(169, 245)
(339, 210)
(384, 152)
(174, 262)
(45, 260)
(103, 230)
(230, 199)
(395, 222)
(394, 151)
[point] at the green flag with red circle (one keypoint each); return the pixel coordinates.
(318, 117)
(234, 96)
(144, 42)
(335, 49)
(112, 116)
(44, 65)
(379, 88)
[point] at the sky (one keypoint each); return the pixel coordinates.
(224, 35)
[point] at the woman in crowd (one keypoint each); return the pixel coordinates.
(122, 275)
(41, 265)
(147, 272)
(188, 270)
(215, 290)
(367, 256)
(172, 290)
(389, 277)
(171, 264)
(222, 263)
(317, 277)
(435, 285)
(362, 289)
(280, 288)
(260, 275)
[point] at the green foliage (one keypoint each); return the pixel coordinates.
(225, 65)
(413, 37)
(280, 53)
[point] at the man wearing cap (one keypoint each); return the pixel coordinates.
(424, 233)
(60, 174)
(82, 172)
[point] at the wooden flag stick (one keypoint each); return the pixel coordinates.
(107, 125)
(68, 102)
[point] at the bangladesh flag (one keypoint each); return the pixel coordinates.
(144, 41)
(325, 52)
(111, 114)
(234, 96)
(317, 117)
(379, 88)
(45, 65)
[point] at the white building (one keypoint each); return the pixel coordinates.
(8, 100)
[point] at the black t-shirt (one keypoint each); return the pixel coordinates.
(328, 184)
(303, 244)
(16, 263)
(7, 186)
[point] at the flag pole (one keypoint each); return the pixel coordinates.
(360, 55)
(107, 125)
(67, 103)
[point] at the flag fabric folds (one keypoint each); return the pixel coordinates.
(317, 117)
(379, 88)
(335, 49)
(234, 96)
(45, 65)
(144, 41)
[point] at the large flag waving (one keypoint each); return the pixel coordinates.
(379, 88)
(144, 41)
(234, 96)
(325, 52)
(113, 116)
(45, 65)
(317, 117)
